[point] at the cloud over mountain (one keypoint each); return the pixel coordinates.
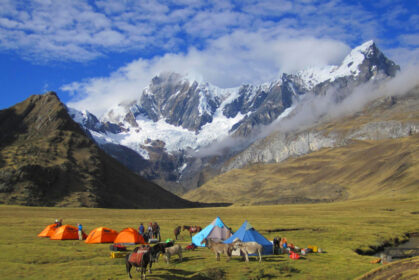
(227, 62)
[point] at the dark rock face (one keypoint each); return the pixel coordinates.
(262, 109)
(47, 160)
(177, 101)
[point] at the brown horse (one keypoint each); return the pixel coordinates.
(158, 249)
(176, 231)
(140, 258)
(192, 229)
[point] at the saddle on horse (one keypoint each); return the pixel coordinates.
(137, 257)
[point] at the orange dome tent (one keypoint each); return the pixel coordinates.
(129, 236)
(101, 235)
(66, 232)
(48, 231)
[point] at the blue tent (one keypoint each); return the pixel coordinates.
(216, 230)
(247, 233)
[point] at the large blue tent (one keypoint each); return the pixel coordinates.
(247, 233)
(216, 230)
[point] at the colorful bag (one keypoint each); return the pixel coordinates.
(294, 256)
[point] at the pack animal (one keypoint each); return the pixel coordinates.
(218, 248)
(248, 248)
(140, 258)
(174, 250)
(192, 229)
(158, 249)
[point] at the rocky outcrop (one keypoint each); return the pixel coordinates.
(280, 146)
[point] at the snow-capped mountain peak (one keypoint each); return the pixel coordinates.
(350, 66)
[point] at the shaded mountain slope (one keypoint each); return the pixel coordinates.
(378, 157)
(46, 159)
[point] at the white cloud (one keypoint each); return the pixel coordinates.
(404, 56)
(226, 42)
(314, 108)
(228, 61)
(98, 28)
(410, 39)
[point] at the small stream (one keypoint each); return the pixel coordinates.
(391, 255)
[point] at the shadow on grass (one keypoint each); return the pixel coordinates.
(267, 259)
(178, 274)
(184, 259)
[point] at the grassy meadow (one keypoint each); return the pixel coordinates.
(338, 228)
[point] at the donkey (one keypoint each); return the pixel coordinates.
(140, 258)
(219, 248)
(248, 248)
(192, 229)
(174, 250)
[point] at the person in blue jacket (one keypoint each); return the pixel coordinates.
(141, 229)
(80, 228)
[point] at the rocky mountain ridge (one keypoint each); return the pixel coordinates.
(177, 118)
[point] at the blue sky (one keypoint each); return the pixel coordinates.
(95, 54)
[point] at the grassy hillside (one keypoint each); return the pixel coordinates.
(46, 159)
(387, 168)
(338, 228)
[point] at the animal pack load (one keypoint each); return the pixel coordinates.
(101, 235)
(66, 232)
(48, 231)
(137, 257)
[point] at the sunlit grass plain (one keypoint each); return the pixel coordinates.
(338, 228)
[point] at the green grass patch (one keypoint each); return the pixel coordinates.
(338, 228)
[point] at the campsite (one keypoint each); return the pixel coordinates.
(340, 229)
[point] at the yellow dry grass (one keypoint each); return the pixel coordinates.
(362, 169)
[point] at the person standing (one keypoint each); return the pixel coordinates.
(150, 230)
(80, 227)
(141, 229)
